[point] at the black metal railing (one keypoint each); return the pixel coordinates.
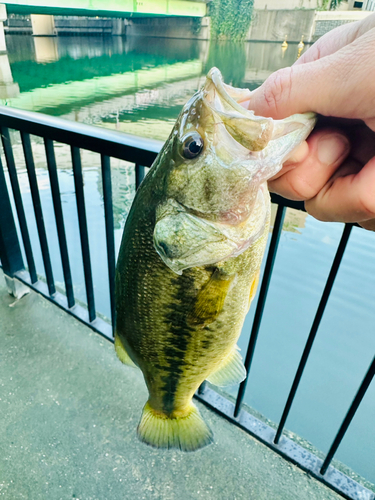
(142, 152)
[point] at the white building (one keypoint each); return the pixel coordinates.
(312, 4)
(285, 4)
(367, 5)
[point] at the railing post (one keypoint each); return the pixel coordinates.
(10, 251)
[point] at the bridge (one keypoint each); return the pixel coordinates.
(108, 8)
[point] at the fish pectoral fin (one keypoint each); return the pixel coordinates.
(187, 432)
(230, 372)
(122, 355)
(210, 299)
(253, 288)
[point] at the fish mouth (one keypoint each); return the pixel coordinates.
(236, 94)
(251, 131)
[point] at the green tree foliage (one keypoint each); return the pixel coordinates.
(230, 19)
(329, 4)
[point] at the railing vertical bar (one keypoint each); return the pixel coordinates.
(10, 251)
(276, 233)
(109, 230)
(81, 209)
(8, 152)
(56, 197)
(349, 416)
(202, 388)
(140, 172)
(310, 340)
(30, 166)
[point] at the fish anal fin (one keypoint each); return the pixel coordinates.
(187, 432)
(230, 372)
(122, 355)
(210, 299)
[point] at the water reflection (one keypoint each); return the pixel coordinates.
(45, 49)
(113, 81)
(8, 88)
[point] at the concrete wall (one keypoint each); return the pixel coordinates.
(170, 27)
(267, 25)
(327, 21)
(274, 25)
(286, 4)
(73, 25)
(43, 25)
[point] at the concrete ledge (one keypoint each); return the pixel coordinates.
(69, 410)
(346, 15)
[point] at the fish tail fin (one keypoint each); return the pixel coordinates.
(188, 432)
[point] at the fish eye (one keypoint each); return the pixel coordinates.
(192, 146)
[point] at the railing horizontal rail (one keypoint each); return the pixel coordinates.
(142, 152)
(100, 140)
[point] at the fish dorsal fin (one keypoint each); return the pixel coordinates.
(210, 299)
(230, 372)
(122, 355)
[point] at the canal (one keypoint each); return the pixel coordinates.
(138, 86)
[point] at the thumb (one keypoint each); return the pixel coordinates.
(328, 86)
(289, 91)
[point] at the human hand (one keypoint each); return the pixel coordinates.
(334, 170)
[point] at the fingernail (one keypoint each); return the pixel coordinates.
(331, 148)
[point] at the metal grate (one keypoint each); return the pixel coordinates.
(142, 152)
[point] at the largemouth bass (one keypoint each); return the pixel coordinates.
(191, 252)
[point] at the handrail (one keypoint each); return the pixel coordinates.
(97, 139)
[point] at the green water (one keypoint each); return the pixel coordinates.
(138, 86)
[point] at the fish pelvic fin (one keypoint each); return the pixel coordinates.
(230, 372)
(122, 355)
(188, 432)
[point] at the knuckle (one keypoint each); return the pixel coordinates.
(277, 87)
(366, 205)
(312, 208)
(301, 188)
(368, 224)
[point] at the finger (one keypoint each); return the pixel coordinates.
(368, 224)
(305, 178)
(328, 86)
(348, 198)
(336, 39)
(298, 156)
